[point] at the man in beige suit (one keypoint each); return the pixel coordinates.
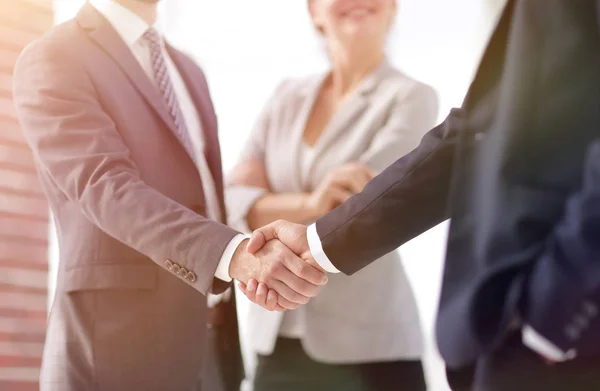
(125, 139)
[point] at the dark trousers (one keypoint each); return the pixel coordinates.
(516, 368)
(289, 368)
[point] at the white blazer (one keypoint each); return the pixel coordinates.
(372, 315)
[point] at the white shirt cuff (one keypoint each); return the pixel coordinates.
(534, 341)
(316, 249)
(222, 272)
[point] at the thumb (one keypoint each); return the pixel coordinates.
(260, 237)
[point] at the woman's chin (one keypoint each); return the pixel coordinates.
(363, 36)
(365, 29)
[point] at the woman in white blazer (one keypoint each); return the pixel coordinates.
(318, 141)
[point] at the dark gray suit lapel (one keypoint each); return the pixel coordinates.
(100, 30)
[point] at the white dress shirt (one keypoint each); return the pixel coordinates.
(131, 28)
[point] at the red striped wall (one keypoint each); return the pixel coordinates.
(23, 214)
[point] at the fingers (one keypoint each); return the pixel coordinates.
(261, 236)
(288, 293)
(266, 297)
(257, 241)
(249, 289)
(290, 234)
(353, 182)
(359, 175)
(311, 261)
(272, 298)
(293, 280)
(282, 299)
(287, 267)
(357, 181)
(310, 277)
(290, 276)
(370, 174)
(339, 195)
(260, 294)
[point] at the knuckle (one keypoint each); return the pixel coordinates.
(279, 258)
(270, 270)
(274, 268)
(294, 297)
(303, 270)
(299, 299)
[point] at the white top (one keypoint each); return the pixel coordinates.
(131, 28)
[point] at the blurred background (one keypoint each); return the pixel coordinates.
(246, 48)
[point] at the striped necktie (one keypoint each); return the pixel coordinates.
(163, 81)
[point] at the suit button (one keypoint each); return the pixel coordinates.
(169, 264)
(571, 354)
(176, 268)
(590, 309)
(191, 277)
(572, 332)
(183, 272)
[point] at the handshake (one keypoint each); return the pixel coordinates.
(275, 267)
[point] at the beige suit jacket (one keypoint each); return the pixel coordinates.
(136, 253)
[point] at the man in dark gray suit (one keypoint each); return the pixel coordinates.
(520, 164)
(125, 140)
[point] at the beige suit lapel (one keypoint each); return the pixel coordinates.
(100, 30)
(346, 116)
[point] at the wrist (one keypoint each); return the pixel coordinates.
(309, 207)
(239, 259)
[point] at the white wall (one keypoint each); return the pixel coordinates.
(247, 47)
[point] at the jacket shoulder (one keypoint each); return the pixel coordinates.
(61, 41)
(408, 86)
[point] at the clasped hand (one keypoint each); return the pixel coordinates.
(275, 268)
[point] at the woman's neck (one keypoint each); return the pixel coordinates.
(349, 68)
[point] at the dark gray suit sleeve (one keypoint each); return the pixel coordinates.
(405, 200)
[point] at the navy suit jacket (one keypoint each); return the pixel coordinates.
(510, 170)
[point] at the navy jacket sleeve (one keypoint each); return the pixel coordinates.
(405, 200)
(563, 290)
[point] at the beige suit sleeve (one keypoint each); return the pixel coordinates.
(77, 146)
(413, 114)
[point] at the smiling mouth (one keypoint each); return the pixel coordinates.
(358, 12)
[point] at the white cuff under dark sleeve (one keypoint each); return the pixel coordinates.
(534, 341)
(316, 249)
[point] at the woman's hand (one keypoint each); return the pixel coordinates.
(339, 185)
